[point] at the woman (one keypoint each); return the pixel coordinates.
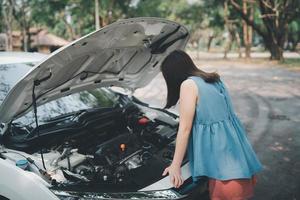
(208, 127)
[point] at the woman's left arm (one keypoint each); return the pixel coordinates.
(188, 98)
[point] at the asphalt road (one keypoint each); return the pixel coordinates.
(266, 97)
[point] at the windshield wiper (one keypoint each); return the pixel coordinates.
(56, 120)
(72, 118)
(76, 114)
(71, 115)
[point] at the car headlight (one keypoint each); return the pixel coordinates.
(155, 194)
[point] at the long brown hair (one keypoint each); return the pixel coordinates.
(176, 68)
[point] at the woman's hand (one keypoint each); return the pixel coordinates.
(175, 175)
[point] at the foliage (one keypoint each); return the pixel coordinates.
(291, 63)
(273, 21)
(57, 16)
(71, 19)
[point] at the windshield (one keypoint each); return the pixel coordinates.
(84, 100)
(10, 74)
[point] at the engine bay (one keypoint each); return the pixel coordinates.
(121, 161)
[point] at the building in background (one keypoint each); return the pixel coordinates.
(40, 41)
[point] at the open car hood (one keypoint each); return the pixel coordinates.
(127, 53)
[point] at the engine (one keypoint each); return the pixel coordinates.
(116, 160)
(109, 151)
(110, 163)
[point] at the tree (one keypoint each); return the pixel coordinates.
(56, 16)
(232, 33)
(247, 30)
(97, 22)
(73, 18)
(276, 16)
(7, 12)
(21, 12)
(294, 35)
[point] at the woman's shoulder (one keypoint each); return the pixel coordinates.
(189, 84)
(197, 80)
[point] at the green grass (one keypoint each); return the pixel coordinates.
(291, 62)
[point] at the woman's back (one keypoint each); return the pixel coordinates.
(214, 102)
(218, 147)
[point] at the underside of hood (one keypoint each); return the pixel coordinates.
(127, 53)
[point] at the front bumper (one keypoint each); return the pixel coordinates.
(149, 195)
(189, 188)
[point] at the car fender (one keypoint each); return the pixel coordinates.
(16, 183)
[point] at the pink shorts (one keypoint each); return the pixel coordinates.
(236, 189)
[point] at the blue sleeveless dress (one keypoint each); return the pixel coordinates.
(218, 147)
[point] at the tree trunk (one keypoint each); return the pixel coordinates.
(24, 40)
(7, 15)
(250, 30)
(275, 50)
(275, 44)
(238, 42)
(276, 53)
(247, 30)
(210, 39)
(28, 34)
(228, 42)
(25, 26)
(69, 27)
(97, 23)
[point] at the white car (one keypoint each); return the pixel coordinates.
(67, 133)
